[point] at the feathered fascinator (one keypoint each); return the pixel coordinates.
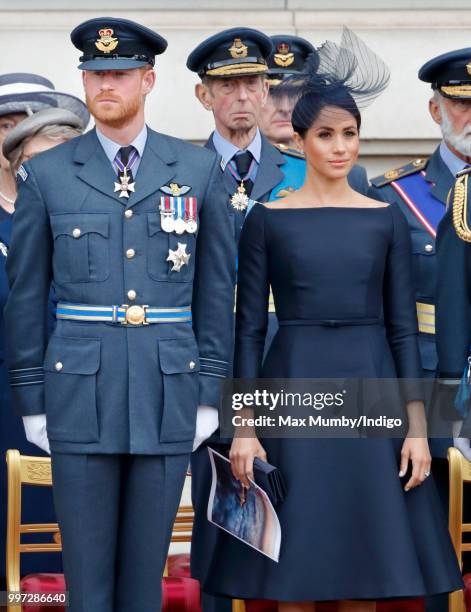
(349, 76)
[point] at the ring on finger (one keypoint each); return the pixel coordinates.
(427, 474)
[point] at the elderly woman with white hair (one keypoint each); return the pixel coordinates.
(30, 135)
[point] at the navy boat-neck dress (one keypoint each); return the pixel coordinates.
(349, 530)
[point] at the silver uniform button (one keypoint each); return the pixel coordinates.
(130, 253)
(132, 294)
(428, 248)
(192, 365)
(128, 213)
(76, 233)
(59, 366)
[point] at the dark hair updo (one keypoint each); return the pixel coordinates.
(310, 104)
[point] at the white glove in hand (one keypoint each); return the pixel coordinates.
(36, 433)
(207, 421)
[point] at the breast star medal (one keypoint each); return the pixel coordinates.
(125, 186)
(179, 257)
(240, 199)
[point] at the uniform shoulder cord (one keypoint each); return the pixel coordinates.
(460, 208)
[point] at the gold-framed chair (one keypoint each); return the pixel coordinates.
(182, 531)
(34, 471)
(460, 475)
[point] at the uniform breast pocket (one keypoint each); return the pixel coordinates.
(81, 247)
(70, 371)
(179, 365)
(161, 245)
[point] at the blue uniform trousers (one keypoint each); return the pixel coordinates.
(116, 514)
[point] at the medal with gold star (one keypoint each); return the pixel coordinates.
(240, 199)
(125, 186)
(179, 257)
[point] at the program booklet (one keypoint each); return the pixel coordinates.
(248, 516)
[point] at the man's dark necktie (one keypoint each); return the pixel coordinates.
(127, 156)
(242, 162)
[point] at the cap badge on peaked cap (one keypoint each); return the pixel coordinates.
(106, 43)
(238, 49)
(283, 57)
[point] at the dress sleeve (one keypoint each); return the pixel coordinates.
(252, 296)
(400, 314)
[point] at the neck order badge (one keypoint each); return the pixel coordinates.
(125, 160)
(241, 168)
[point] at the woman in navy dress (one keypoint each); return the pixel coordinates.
(361, 519)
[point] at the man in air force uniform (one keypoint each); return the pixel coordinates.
(232, 66)
(131, 227)
(421, 189)
(453, 306)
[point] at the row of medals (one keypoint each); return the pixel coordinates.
(168, 223)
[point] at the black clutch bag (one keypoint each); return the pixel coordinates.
(269, 478)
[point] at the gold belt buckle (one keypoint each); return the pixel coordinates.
(135, 315)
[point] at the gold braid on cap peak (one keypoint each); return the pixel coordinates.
(460, 208)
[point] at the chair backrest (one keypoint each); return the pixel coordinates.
(460, 474)
(183, 525)
(34, 471)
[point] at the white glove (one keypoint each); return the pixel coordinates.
(36, 433)
(207, 421)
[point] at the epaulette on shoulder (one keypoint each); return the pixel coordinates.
(289, 151)
(392, 175)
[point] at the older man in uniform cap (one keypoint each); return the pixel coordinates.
(451, 77)
(131, 227)
(232, 66)
(287, 58)
(421, 189)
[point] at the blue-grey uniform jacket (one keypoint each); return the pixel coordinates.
(453, 313)
(109, 387)
(420, 189)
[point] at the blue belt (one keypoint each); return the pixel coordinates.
(331, 322)
(124, 314)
